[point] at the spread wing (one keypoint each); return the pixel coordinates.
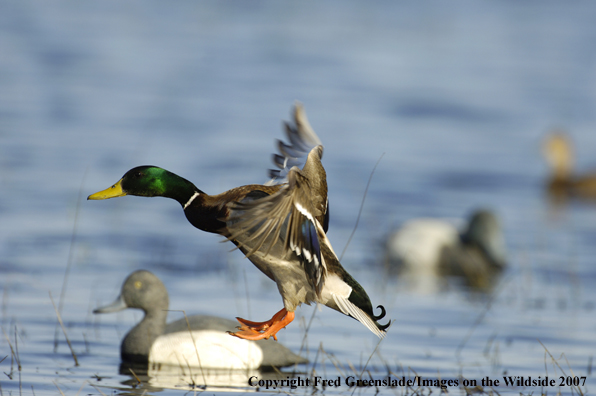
(291, 217)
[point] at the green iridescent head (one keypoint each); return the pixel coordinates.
(149, 181)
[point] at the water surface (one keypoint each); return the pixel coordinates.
(456, 96)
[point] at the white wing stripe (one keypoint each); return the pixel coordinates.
(307, 254)
(305, 212)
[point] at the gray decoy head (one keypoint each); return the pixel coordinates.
(484, 232)
(141, 290)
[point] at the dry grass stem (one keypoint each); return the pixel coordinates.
(351, 366)
(314, 363)
(135, 375)
(81, 388)
(97, 389)
(304, 339)
(12, 352)
(70, 255)
(361, 206)
(561, 368)
(334, 361)
(195, 346)
(59, 390)
(16, 347)
(74, 356)
(370, 357)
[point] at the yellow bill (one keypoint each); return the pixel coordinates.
(110, 192)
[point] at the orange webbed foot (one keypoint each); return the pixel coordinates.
(263, 330)
(260, 326)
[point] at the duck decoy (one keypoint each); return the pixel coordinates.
(279, 227)
(563, 182)
(201, 342)
(436, 247)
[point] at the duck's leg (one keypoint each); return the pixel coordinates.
(263, 330)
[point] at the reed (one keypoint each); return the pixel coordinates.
(195, 346)
(13, 356)
(304, 339)
(59, 390)
(135, 375)
(69, 260)
(372, 354)
(80, 389)
(74, 356)
(554, 361)
(97, 389)
(16, 347)
(361, 206)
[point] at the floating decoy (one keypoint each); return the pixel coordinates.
(279, 227)
(436, 247)
(201, 342)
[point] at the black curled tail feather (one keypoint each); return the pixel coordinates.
(381, 316)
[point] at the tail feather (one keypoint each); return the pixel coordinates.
(350, 309)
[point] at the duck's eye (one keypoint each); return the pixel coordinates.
(139, 174)
(138, 284)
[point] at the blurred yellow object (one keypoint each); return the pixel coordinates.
(562, 183)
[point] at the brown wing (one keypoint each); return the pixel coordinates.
(290, 218)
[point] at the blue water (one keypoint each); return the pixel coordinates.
(457, 96)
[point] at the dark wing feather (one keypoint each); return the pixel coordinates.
(302, 140)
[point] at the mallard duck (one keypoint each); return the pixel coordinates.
(436, 247)
(280, 227)
(202, 342)
(562, 182)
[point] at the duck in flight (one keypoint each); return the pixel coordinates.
(281, 228)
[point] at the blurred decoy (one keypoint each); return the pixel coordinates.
(436, 247)
(562, 182)
(279, 227)
(202, 342)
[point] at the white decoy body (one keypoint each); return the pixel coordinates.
(206, 345)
